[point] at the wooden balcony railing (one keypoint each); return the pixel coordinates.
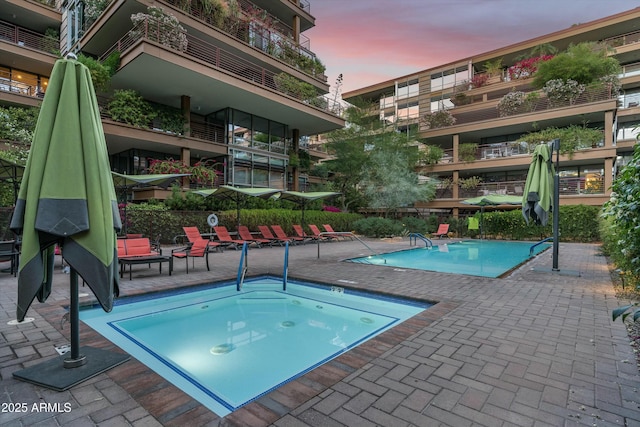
(27, 38)
(152, 30)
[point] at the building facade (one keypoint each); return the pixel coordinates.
(484, 146)
(230, 83)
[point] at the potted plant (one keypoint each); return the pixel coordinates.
(467, 151)
(493, 69)
(438, 119)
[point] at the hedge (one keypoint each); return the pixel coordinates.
(158, 222)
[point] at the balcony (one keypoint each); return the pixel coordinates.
(26, 38)
(150, 36)
(541, 104)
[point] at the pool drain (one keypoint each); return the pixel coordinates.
(366, 320)
(221, 349)
(287, 324)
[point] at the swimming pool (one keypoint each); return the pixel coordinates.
(227, 348)
(487, 258)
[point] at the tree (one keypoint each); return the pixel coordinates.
(375, 164)
(388, 182)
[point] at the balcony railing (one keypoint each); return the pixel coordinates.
(7, 84)
(543, 103)
(27, 38)
(259, 29)
(623, 39)
(174, 39)
(591, 184)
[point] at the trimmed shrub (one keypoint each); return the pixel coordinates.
(378, 227)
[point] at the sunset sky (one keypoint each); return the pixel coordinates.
(370, 41)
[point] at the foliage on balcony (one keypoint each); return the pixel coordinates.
(160, 26)
(562, 92)
(17, 124)
(203, 173)
(128, 106)
(51, 41)
(438, 119)
(93, 9)
(526, 68)
(572, 138)
(101, 72)
(470, 183)
(516, 102)
(296, 88)
(493, 68)
(479, 80)
(584, 63)
(432, 154)
(467, 151)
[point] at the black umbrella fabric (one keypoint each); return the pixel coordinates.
(67, 197)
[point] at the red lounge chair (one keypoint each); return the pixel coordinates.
(225, 237)
(316, 233)
(300, 233)
(443, 230)
(198, 250)
(245, 234)
(267, 234)
(330, 229)
(280, 234)
(193, 235)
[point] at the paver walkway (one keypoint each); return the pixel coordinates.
(535, 349)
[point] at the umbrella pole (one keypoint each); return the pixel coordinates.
(76, 359)
(556, 206)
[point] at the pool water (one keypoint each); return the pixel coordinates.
(226, 348)
(486, 258)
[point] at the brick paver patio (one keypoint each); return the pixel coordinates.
(537, 348)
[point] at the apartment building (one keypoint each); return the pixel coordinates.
(485, 150)
(238, 77)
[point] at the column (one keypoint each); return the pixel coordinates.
(295, 171)
(185, 155)
(185, 106)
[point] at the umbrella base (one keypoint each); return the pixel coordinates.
(563, 272)
(56, 374)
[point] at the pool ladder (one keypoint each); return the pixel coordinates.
(243, 266)
(548, 239)
(413, 240)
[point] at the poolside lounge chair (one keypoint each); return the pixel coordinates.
(280, 234)
(316, 234)
(300, 233)
(267, 234)
(330, 229)
(224, 237)
(443, 230)
(245, 234)
(193, 235)
(197, 250)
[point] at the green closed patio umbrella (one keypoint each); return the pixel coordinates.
(67, 197)
(537, 200)
(541, 191)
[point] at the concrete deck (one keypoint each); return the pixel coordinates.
(537, 348)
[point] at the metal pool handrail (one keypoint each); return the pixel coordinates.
(242, 266)
(413, 238)
(285, 272)
(539, 243)
(344, 233)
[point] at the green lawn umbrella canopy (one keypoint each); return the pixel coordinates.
(492, 200)
(238, 194)
(302, 199)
